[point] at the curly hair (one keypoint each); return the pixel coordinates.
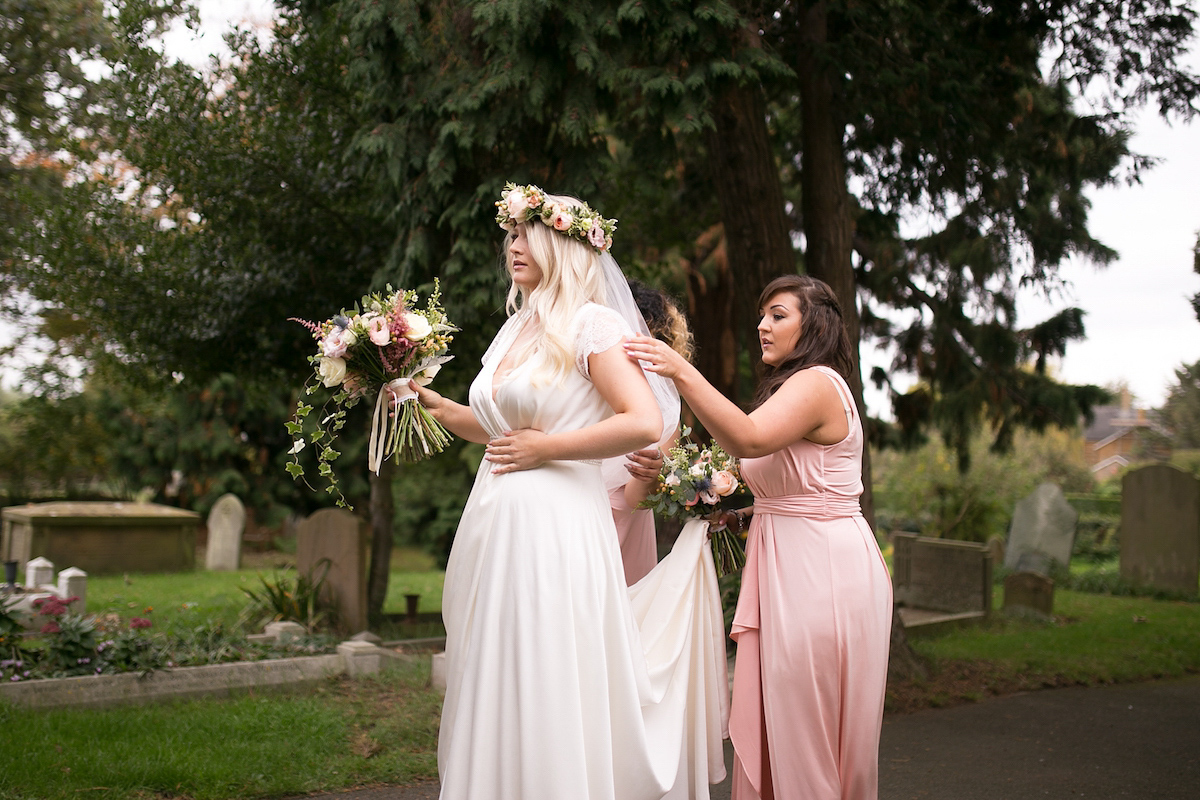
(664, 319)
(823, 337)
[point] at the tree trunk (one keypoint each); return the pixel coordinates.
(711, 300)
(757, 238)
(829, 231)
(381, 510)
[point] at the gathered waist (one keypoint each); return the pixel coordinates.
(820, 506)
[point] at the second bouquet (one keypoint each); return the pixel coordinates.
(374, 350)
(698, 483)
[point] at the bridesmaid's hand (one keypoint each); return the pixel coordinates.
(656, 356)
(644, 465)
(517, 450)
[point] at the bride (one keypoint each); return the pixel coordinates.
(561, 683)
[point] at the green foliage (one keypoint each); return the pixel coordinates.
(1181, 412)
(1104, 577)
(294, 597)
(922, 490)
(131, 649)
(70, 646)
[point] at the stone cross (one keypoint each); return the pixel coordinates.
(1042, 531)
(226, 522)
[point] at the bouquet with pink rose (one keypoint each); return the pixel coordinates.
(375, 349)
(698, 483)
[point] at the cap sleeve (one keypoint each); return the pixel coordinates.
(600, 328)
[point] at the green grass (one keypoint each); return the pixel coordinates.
(187, 599)
(347, 733)
(1093, 639)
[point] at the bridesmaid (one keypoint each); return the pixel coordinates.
(813, 620)
(630, 479)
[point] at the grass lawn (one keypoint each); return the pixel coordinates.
(1093, 639)
(378, 729)
(186, 599)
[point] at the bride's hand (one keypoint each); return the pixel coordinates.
(517, 450)
(655, 356)
(431, 400)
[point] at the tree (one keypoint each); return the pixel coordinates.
(1181, 411)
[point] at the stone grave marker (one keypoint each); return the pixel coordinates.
(1029, 591)
(1160, 528)
(341, 537)
(940, 580)
(1042, 531)
(226, 523)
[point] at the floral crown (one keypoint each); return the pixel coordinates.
(522, 203)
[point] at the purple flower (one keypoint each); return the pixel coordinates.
(15, 678)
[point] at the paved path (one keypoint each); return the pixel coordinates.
(1132, 742)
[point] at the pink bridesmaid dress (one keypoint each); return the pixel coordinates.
(812, 627)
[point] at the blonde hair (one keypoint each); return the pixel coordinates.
(571, 277)
(676, 333)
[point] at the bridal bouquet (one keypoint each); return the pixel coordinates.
(375, 349)
(699, 483)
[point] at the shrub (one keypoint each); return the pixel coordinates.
(295, 598)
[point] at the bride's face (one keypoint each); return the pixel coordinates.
(524, 270)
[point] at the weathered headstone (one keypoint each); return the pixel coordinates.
(941, 575)
(341, 537)
(226, 522)
(1160, 528)
(72, 582)
(995, 546)
(1029, 591)
(1042, 531)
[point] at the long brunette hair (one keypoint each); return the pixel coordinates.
(823, 338)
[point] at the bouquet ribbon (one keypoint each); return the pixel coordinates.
(377, 447)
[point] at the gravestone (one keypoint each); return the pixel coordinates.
(39, 572)
(226, 523)
(341, 537)
(1029, 591)
(1160, 528)
(995, 546)
(1042, 531)
(940, 580)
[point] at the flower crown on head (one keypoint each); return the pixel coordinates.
(520, 204)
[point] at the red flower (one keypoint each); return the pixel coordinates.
(139, 622)
(51, 627)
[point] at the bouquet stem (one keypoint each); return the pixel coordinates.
(729, 554)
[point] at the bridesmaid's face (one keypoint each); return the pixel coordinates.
(524, 270)
(779, 330)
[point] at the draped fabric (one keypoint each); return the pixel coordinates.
(561, 682)
(812, 626)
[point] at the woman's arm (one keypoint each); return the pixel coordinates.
(644, 467)
(807, 406)
(455, 417)
(636, 422)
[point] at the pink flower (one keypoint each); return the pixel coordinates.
(709, 498)
(561, 219)
(723, 483)
(596, 236)
(337, 341)
(377, 331)
(607, 243)
(139, 622)
(692, 502)
(517, 204)
(51, 627)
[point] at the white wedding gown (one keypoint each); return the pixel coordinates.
(561, 683)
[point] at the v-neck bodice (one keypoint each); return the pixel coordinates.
(524, 398)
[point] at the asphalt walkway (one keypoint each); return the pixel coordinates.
(1130, 742)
